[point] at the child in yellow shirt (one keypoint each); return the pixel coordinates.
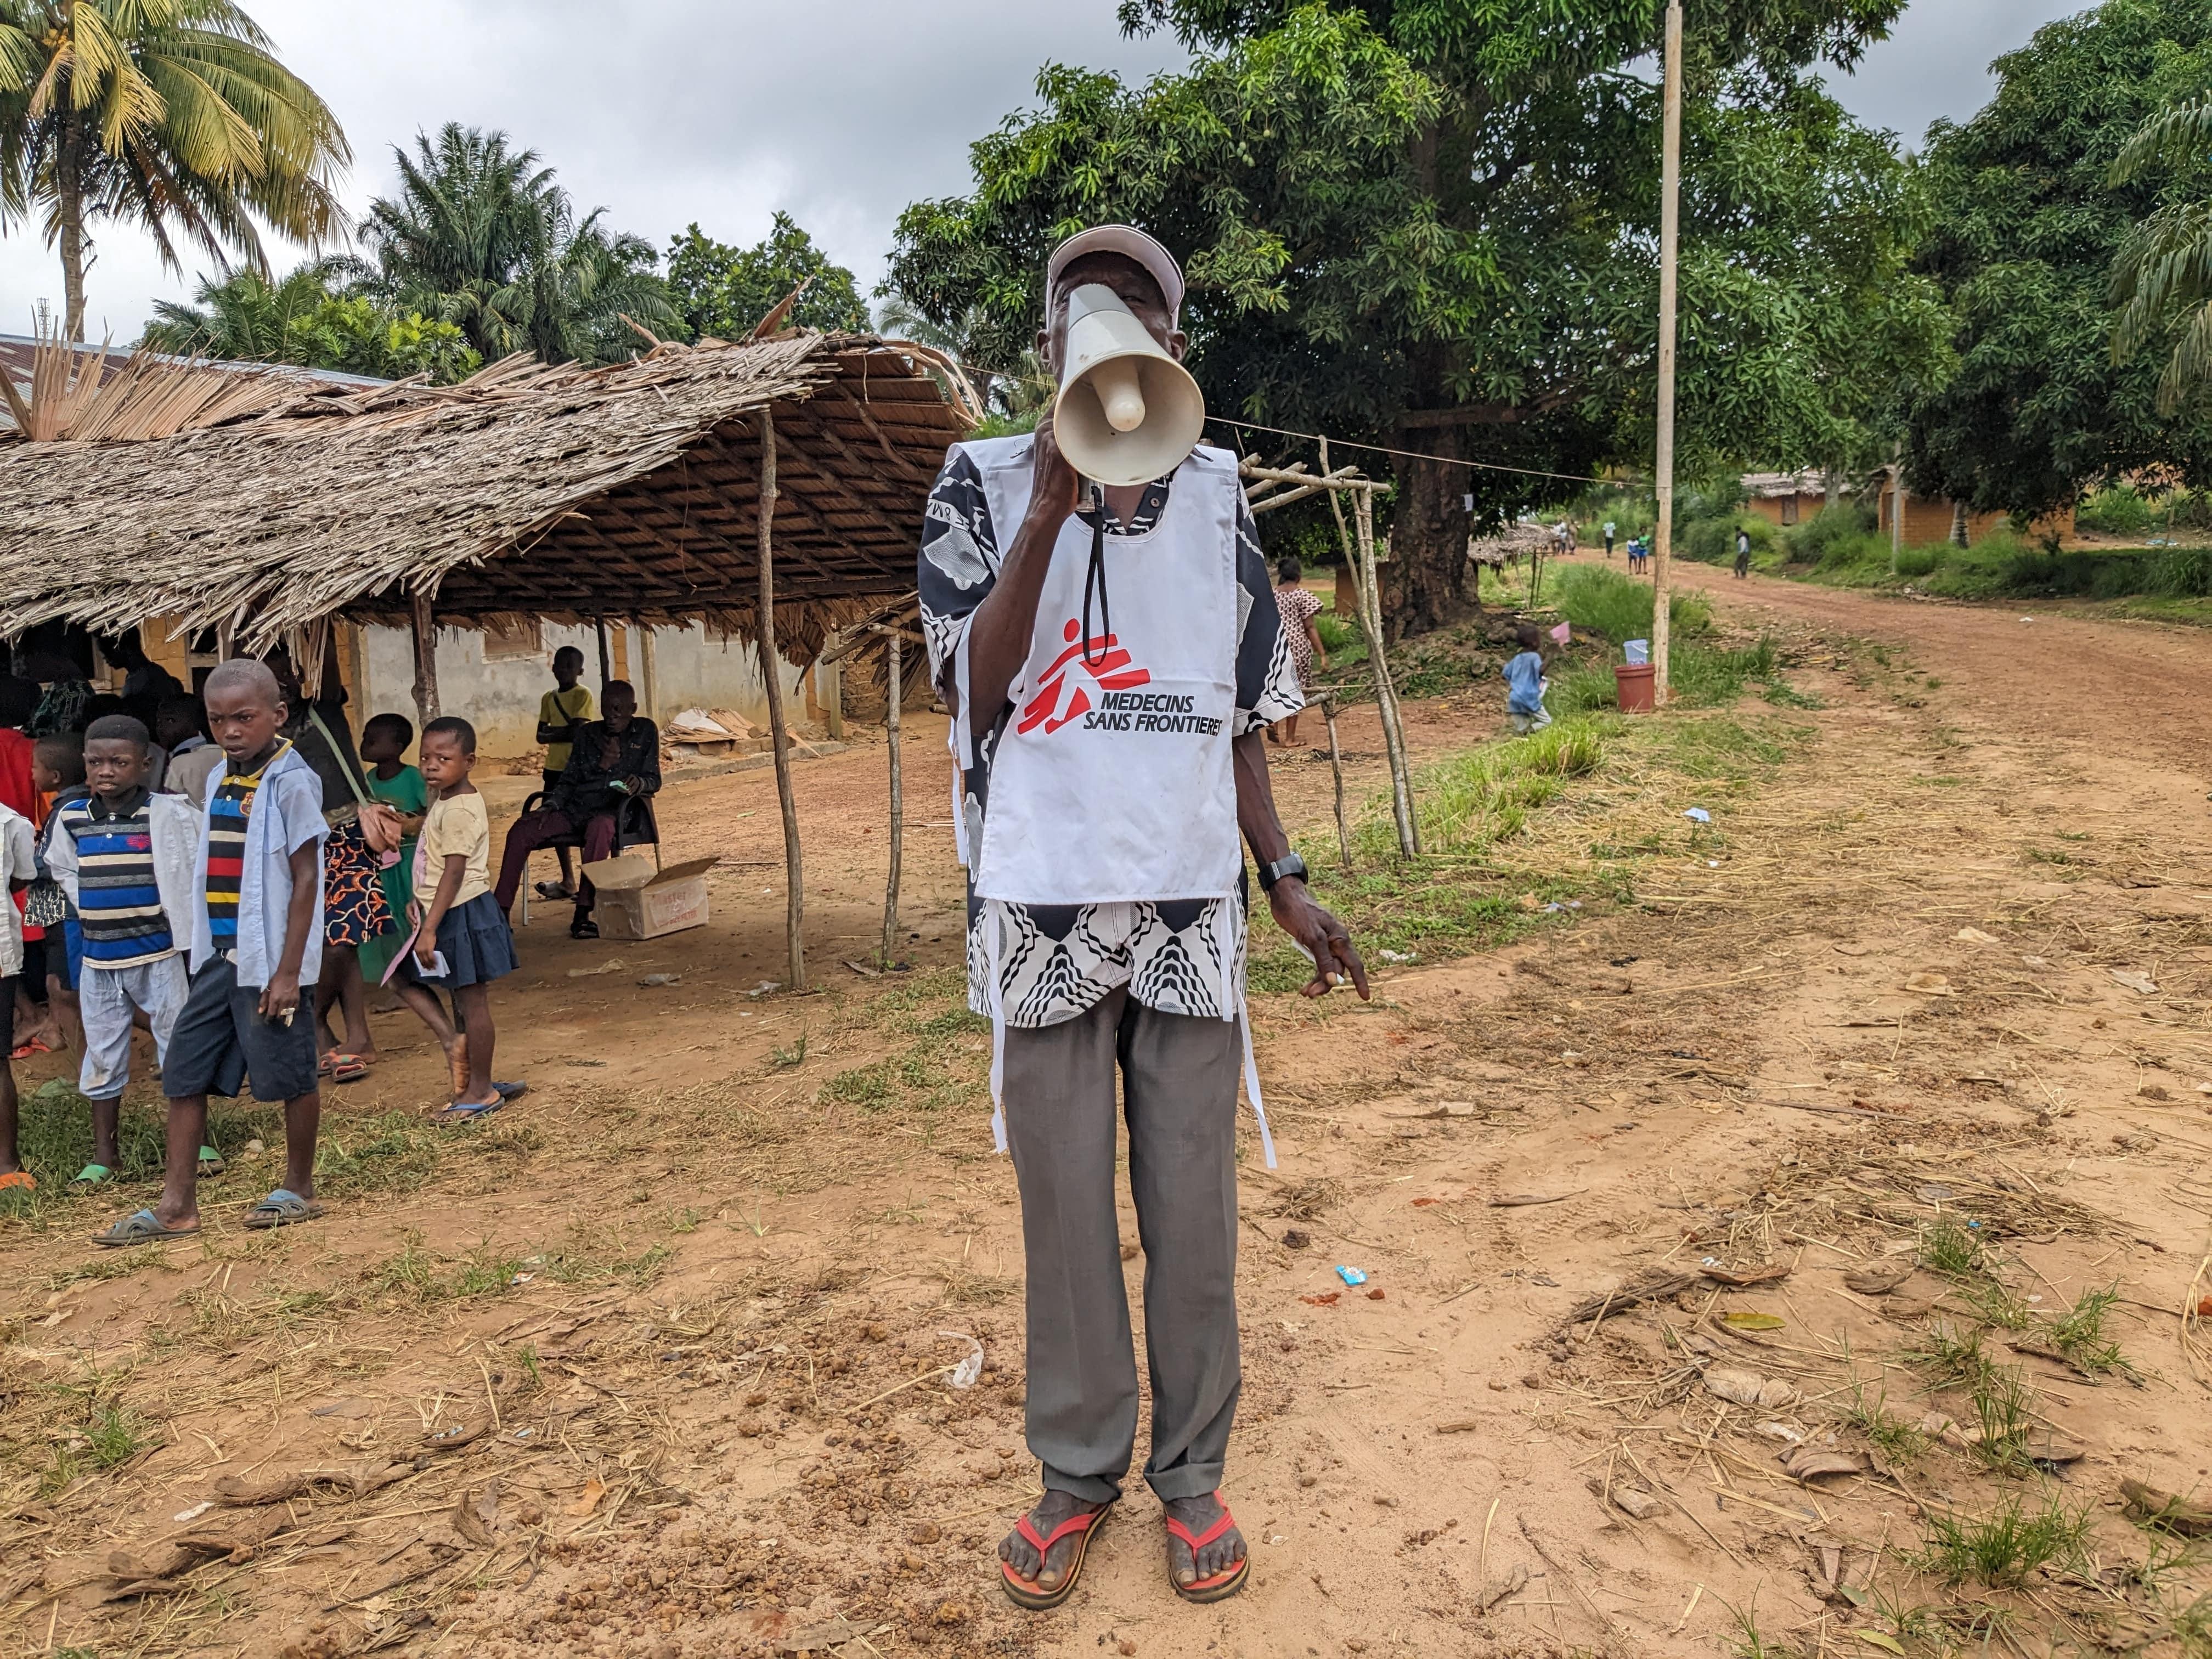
(462, 942)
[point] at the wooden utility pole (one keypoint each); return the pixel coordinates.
(794, 882)
(426, 660)
(1896, 502)
(894, 673)
(1670, 232)
(606, 667)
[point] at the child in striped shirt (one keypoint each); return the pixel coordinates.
(123, 856)
(257, 922)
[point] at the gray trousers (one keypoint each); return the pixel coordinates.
(1179, 1089)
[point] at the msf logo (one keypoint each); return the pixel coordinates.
(1111, 673)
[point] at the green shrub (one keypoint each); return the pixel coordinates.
(2121, 510)
(1835, 535)
(1338, 634)
(1606, 601)
(2182, 572)
(1917, 560)
(1712, 541)
(1487, 794)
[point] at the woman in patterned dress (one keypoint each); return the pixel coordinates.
(1299, 608)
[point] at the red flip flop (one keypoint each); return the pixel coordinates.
(1222, 1585)
(1027, 1592)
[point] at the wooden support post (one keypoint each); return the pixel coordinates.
(794, 882)
(1670, 222)
(226, 640)
(829, 692)
(426, 660)
(1896, 502)
(1359, 558)
(1336, 768)
(606, 666)
(895, 674)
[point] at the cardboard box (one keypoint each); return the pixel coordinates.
(637, 902)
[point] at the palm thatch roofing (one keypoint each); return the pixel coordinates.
(626, 493)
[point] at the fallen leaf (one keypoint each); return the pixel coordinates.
(1751, 1321)
(2141, 984)
(1879, 1278)
(1974, 936)
(588, 1499)
(1811, 1463)
(1499, 1588)
(1739, 1277)
(1880, 1639)
(1375, 1295)
(1929, 985)
(1748, 1387)
(465, 1522)
(1516, 1200)
(2167, 1510)
(1327, 1299)
(1853, 950)
(1424, 1203)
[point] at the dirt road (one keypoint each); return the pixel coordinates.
(654, 1362)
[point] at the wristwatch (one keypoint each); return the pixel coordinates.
(1289, 865)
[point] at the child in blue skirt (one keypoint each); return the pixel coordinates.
(462, 942)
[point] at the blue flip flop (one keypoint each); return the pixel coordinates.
(282, 1208)
(512, 1090)
(144, 1228)
(467, 1111)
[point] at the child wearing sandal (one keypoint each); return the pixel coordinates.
(125, 856)
(463, 942)
(256, 948)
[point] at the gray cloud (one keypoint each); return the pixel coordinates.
(722, 111)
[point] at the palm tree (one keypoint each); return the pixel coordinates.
(172, 115)
(2165, 266)
(245, 318)
(480, 234)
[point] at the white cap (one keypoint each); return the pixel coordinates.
(1131, 243)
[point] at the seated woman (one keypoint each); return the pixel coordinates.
(612, 761)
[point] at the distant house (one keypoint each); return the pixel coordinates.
(1788, 498)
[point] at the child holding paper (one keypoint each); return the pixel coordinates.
(462, 942)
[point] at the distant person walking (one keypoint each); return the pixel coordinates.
(1298, 607)
(1608, 538)
(1742, 552)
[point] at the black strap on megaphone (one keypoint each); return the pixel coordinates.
(1097, 575)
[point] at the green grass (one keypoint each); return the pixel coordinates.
(1899, 1441)
(945, 1062)
(1604, 601)
(2193, 1628)
(2000, 1398)
(2079, 1334)
(1947, 1248)
(1949, 1352)
(2003, 1547)
(1484, 795)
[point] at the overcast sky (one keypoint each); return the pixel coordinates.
(842, 112)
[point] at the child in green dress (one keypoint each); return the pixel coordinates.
(383, 742)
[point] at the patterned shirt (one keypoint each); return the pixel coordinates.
(1062, 958)
(119, 905)
(228, 808)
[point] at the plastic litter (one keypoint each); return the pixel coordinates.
(1699, 815)
(193, 1513)
(1638, 653)
(1563, 634)
(1398, 956)
(968, 1371)
(1352, 1275)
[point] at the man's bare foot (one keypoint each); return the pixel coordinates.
(1216, 1556)
(1052, 1510)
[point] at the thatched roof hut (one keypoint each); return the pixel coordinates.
(623, 493)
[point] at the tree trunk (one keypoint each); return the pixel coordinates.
(1427, 585)
(70, 186)
(1958, 524)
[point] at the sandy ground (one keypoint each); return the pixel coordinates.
(653, 1363)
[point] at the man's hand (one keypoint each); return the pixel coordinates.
(279, 998)
(1055, 488)
(1322, 935)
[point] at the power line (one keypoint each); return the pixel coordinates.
(1347, 443)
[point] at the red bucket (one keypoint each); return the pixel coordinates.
(1632, 680)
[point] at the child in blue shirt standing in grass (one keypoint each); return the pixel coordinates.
(1525, 684)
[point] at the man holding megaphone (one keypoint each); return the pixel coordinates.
(1101, 624)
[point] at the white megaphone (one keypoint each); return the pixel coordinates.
(1126, 413)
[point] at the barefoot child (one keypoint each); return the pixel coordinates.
(257, 940)
(125, 857)
(17, 866)
(462, 922)
(561, 713)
